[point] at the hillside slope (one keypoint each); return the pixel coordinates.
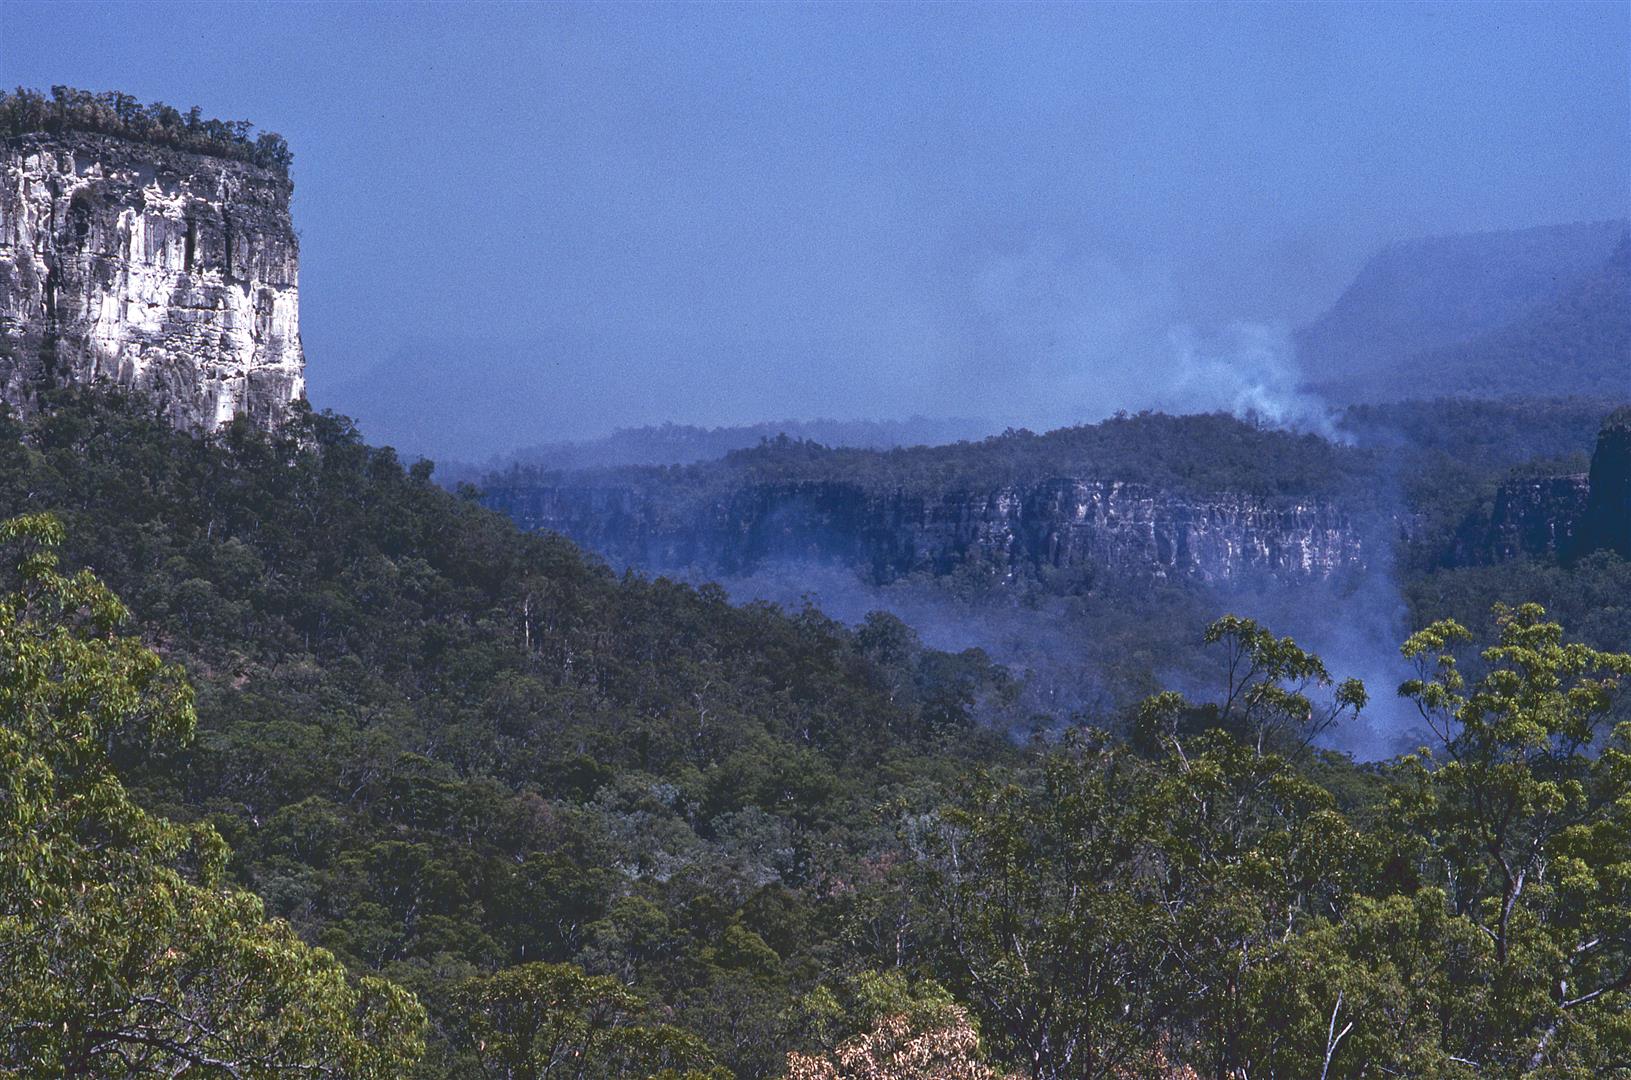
(440, 746)
(1577, 342)
(1535, 311)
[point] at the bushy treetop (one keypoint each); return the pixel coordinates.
(24, 111)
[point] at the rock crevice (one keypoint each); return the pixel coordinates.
(160, 270)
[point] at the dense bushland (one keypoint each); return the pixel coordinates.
(440, 747)
(613, 826)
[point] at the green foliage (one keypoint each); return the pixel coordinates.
(1388, 988)
(618, 826)
(1266, 694)
(678, 444)
(1592, 596)
(1035, 918)
(440, 747)
(1448, 456)
(1121, 904)
(1207, 900)
(1529, 813)
(540, 1020)
(24, 112)
(1194, 454)
(125, 952)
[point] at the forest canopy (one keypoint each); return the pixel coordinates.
(620, 826)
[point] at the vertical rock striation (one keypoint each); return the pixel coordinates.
(1534, 516)
(166, 271)
(1064, 524)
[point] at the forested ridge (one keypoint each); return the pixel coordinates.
(601, 825)
(1424, 457)
(1197, 454)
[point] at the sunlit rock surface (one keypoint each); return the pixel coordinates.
(171, 272)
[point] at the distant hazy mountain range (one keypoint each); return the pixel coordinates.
(1543, 311)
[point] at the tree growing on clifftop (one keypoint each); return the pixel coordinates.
(25, 111)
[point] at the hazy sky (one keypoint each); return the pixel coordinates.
(530, 222)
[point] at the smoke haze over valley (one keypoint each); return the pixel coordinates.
(791, 541)
(606, 243)
(568, 221)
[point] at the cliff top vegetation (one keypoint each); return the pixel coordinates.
(1199, 454)
(24, 111)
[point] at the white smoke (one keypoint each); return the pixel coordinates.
(1250, 370)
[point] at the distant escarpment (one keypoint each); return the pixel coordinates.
(1532, 516)
(155, 268)
(1559, 516)
(1532, 312)
(1130, 498)
(1606, 522)
(1082, 525)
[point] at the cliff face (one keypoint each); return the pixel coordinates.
(170, 272)
(1606, 521)
(1559, 516)
(1063, 524)
(1533, 516)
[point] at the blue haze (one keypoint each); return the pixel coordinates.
(527, 222)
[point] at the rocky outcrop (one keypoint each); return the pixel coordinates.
(1606, 521)
(166, 271)
(1531, 516)
(1082, 525)
(1563, 516)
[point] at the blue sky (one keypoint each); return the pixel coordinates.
(544, 221)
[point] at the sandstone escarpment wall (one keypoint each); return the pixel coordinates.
(1060, 524)
(165, 271)
(1606, 521)
(1531, 516)
(1562, 516)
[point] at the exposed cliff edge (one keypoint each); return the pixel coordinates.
(1562, 516)
(1204, 498)
(1074, 525)
(1606, 521)
(1532, 516)
(163, 270)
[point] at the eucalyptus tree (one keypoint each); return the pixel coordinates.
(1525, 803)
(125, 952)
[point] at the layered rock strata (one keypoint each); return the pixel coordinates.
(1531, 516)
